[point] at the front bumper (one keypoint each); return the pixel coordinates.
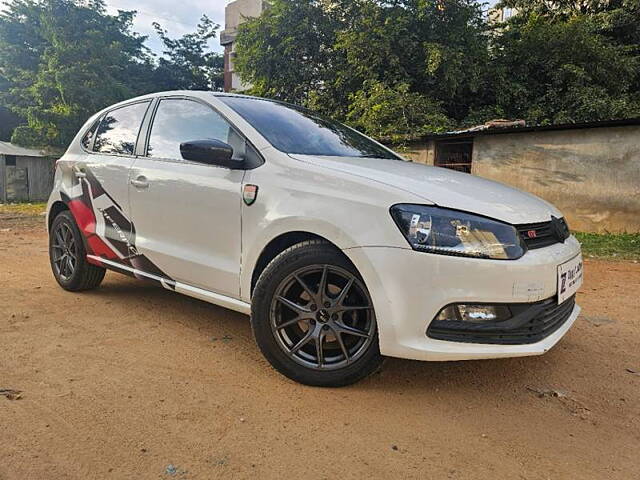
(409, 288)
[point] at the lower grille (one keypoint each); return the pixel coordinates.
(530, 323)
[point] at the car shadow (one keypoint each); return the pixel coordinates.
(396, 375)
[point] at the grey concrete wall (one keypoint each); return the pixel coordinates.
(41, 172)
(40, 176)
(591, 175)
(422, 152)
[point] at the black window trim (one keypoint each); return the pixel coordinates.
(103, 115)
(148, 126)
(96, 124)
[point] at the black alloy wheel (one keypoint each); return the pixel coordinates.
(313, 317)
(64, 251)
(322, 317)
(67, 255)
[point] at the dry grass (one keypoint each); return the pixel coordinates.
(22, 209)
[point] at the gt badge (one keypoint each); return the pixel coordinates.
(249, 194)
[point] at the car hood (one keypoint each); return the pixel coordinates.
(445, 188)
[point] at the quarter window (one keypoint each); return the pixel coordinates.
(88, 137)
(178, 121)
(118, 131)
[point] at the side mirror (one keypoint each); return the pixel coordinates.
(211, 152)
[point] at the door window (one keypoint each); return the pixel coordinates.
(178, 121)
(118, 131)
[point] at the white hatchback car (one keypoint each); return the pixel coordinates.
(341, 251)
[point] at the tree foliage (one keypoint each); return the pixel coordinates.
(395, 113)
(553, 71)
(394, 68)
(8, 120)
(397, 68)
(63, 60)
(288, 52)
(439, 48)
(617, 19)
(328, 53)
(188, 64)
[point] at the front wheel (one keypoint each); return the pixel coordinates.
(67, 255)
(313, 318)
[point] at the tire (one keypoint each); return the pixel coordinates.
(292, 317)
(73, 272)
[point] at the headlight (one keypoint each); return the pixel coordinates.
(448, 232)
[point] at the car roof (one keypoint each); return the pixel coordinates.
(203, 94)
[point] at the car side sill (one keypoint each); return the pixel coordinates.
(195, 292)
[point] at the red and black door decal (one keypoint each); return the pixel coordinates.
(109, 235)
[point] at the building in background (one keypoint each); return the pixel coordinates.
(501, 15)
(25, 175)
(590, 171)
(235, 14)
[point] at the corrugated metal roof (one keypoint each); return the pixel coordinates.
(11, 149)
(496, 130)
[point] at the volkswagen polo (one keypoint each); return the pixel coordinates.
(341, 251)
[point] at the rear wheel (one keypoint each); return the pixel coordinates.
(313, 317)
(67, 256)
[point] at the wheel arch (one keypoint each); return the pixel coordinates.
(56, 208)
(278, 245)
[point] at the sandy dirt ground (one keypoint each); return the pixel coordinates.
(134, 382)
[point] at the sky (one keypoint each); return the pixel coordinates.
(176, 16)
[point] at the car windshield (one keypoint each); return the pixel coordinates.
(296, 130)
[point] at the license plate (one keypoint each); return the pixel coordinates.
(569, 278)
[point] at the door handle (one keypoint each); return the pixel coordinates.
(79, 172)
(140, 182)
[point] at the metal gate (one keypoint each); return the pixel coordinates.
(454, 154)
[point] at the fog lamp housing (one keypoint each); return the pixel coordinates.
(474, 313)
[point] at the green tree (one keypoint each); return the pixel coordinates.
(288, 52)
(64, 60)
(562, 69)
(437, 47)
(617, 19)
(327, 54)
(395, 114)
(188, 62)
(396, 68)
(8, 121)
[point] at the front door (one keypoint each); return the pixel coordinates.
(187, 215)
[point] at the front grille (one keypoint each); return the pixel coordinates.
(545, 234)
(531, 323)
